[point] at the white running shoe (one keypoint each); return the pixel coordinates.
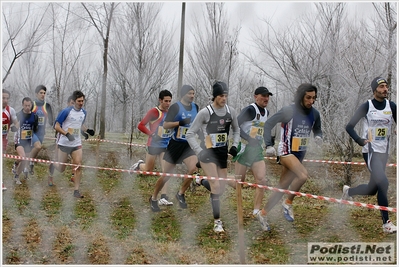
(218, 227)
(288, 212)
(345, 194)
(4, 188)
(136, 166)
(17, 181)
(263, 221)
(164, 202)
(389, 227)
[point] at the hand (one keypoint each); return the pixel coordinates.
(14, 129)
(70, 137)
(270, 151)
(318, 140)
(86, 136)
(202, 156)
(198, 165)
(90, 131)
(253, 142)
(185, 121)
(233, 151)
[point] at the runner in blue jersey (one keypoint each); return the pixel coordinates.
(45, 114)
(297, 122)
(378, 115)
(69, 123)
(28, 126)
(179, 118)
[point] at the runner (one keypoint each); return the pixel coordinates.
(250, 152)
(69, 123)
(179, 118)
(157, 141)
(214, 121)
(378, 115)
(297, 122)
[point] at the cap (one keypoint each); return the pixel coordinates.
(219, 88)
(185, 89)
(376, 82)
(262, 91)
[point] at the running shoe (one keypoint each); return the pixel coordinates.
(288, 212)
(182, 200)
(77, 194)
(154, 205)
(31, 171)
(136, 166)
(164, 202)
(389, 227)
(26, 173)
(345, 193)
(218, 226)
(16, 178)
(3, 187)
(14, 168)
(263, 220)
(50, 180)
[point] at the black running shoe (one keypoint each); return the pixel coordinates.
(154, 205)
(77, 194)
(182, 201)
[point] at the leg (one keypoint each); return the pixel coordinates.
(259, 171)
(190, 162)
(77, 159)
(37, 146)
(301, 174)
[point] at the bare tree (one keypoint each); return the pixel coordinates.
(101, 19)
(23, 32)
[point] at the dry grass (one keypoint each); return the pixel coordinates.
(114, 225)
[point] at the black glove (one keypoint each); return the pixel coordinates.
(70, 137)
(198, 165)
(253, 142)
(90, 131)
(202, 156)
(185, 121)
(84, 134)
(233, 151)
(14, 129)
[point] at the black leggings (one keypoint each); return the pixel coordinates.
(378, 181)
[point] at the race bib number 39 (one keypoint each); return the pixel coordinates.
(299, 143)
(41, 120)
(26, 134)
(5, 128)
(164, 133)
(216, 140)
(74, 132)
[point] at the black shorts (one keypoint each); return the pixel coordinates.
(217, 156)
(154, 151)
(299, 155)
(68, 150)
(26, 144)
(176, 152)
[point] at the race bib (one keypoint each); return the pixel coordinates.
(74, 132)
(299, 143)
(26, 134)
(41, 120)
(256, 132)
(164, 133)
(380, 134)
(5, 128)
(181, 132)
(216, 140)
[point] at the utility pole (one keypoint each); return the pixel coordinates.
(181, 56)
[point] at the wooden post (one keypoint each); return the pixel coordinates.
(241, 243)
(98, 149)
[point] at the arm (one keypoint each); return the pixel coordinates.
(317, 124)
(170, 122)
(36, 123)
(283, 115)
(247, 114)
(361, 112)
(151, 115)
(50, 114)
(14, 118)
(235, 126)
(199, 122)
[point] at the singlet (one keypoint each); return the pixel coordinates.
(255, 127)
(42, 114)
(71, 120)
(165, 134)
(179, 133)
(377, 128)
(6, 120)
(25, 131)
(217, 129)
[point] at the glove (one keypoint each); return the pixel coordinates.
(202, 156)
(270, 151)
(318, 140)
(185, 121)
(253, 142)
(14, 129)
(198, 165)
(70, 137)
(84, 134)
(233, 151)
(90, 131)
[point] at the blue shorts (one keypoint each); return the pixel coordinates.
(37, 137)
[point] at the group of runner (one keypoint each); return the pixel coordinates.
(182, 133)
(29, 126)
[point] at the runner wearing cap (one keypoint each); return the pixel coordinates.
(250, 149)
(377, 115)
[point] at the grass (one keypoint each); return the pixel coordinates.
(114, 225)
